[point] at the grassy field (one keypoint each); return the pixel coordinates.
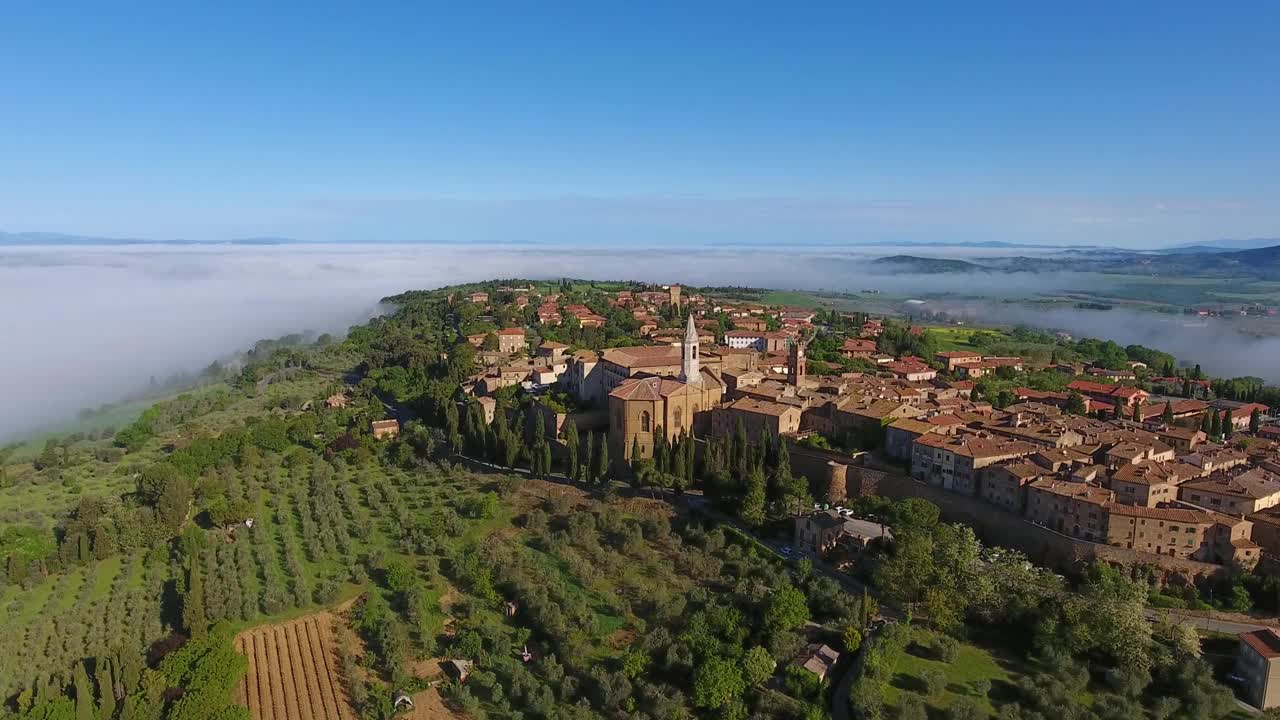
(958, 337)
(971, 665)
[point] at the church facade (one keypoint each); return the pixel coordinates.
(645, 405)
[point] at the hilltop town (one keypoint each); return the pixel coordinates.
(1135, 458)
(620, 499)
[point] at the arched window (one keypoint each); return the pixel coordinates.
(679, 419)
(644, 421)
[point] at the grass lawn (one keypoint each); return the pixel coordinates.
(956, 337)
(972, 663)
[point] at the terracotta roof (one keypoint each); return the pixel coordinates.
(1147, 472)
(1265, 642)
(511, 331)
(644, 356)
(761, 407)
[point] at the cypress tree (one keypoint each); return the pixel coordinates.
(85, 709)
(193, 615)
(571, 445)
(1215, 422)
(1186, 387)
(105, 675)
(635, 451)
(1166, 417)
(660, 458)
(1228, 426)
(1255, 421)
(589, 463)
(690, 460)
(1206, 426)
(602, 460)
(546, 459)
(1137, 412)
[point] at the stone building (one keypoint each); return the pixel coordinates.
(642, 406)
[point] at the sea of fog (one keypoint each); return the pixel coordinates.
(86, 325)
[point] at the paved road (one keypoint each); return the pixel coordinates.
(1206, 623)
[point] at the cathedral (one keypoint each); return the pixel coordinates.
(645, 405)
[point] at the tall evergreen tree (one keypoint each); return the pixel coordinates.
(1228, 424)
(588, 463)
(1186, 387)
(603, 473)
(193, 615)
(661, 459)
(546, 459)
(85, 708)
(752, 509)
(1137, 412)
(1166, 417)
(1215, 422)
(1255, 421)
(104, 674)
(1206, 426)
(571, 447)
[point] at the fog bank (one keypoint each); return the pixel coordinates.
(84, 325)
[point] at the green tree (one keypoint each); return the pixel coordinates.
(1076, 404)
(490, 342)
(752, 508)
(85, 707)
(1215, 422)
(193, 614)
(852, 637)
(603, 473)
(570, 434)
(1166, 416)
(757, 665)
(1255, 421)
(1206, 426)
(1228, 424)
(716, 683)
(1137, 412)
(788, 609)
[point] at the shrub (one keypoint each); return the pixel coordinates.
(946, 649)
(911, 707)
(965, 709)
(934, 681)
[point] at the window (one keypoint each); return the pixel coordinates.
(679, 419)
(644, 421)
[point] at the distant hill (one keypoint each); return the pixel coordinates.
(924, 265)
(1228, 245)
(1260, 263)
(43, 238)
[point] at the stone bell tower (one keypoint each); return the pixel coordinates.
(795, 363)
(689, 371)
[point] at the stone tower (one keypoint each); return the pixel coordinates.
(674, 290)
(795, 364)
(689, 355)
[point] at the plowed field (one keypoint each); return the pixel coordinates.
(293, 671)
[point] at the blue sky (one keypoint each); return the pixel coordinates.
(1141, 124)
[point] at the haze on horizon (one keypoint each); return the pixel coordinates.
(109, 318)
(1138, 125)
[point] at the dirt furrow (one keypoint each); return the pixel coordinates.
(332, 659)
(323, 675)
(267, 697)
(302, 655)
(285, 672)
(248, 691)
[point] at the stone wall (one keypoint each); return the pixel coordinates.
(1042, 545)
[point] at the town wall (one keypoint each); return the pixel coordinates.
(1042, 545)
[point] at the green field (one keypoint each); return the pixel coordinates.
(971, 664)
(958, 337)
